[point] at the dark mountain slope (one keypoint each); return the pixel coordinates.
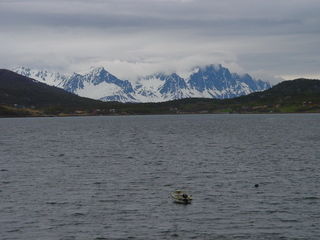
(16, 89)
(287, 91)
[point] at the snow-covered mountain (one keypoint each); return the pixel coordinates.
(217, 82)
(161, 87)
(212, 81)
(100, 84)
(51, 78)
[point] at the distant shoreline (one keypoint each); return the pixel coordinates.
(156, 114)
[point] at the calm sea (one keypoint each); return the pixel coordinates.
(110, 177)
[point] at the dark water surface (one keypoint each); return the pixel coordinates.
(110, 177)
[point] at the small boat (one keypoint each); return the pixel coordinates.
(181, 197)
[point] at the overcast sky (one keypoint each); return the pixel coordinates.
(266, 38)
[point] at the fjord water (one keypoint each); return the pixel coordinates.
(110, 177)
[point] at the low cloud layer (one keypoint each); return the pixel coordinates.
(135, 37)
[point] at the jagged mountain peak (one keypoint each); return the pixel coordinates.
(209, 68)
(21, 68)
(210, 81)
(36, 71)
(209, 75)
(99, 75)
(98, 83)
(42, 75)
(174, 85)
(158, 75)
(215, 69)
(99, 71)
(74, 74)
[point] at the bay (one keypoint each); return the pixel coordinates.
(110, 177)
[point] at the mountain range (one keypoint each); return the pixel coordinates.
(22, 96)
(212, 81)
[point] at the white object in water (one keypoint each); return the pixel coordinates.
(181, 197)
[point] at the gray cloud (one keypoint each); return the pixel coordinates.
(132, 37)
